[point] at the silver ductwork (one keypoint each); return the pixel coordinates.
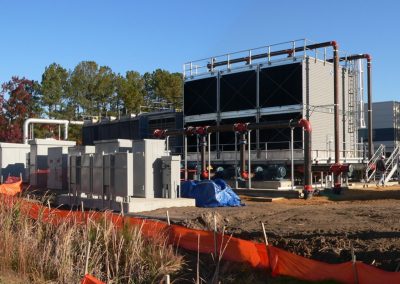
(48, 121)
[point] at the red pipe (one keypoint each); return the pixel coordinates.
(243, 173)
(242, 128)
(336, 109)
(305, 124)
(368, 57)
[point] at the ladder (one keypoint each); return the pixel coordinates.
(351, 103)
(392, 163)
(371, 170)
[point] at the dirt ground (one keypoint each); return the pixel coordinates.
(323, 228)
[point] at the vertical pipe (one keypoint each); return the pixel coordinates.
(185, 155)
(322, 179)
(218, 114)
(258, 112)
(203, 146)
(236, 168)
(369, 82)
(197, 157)
(336, 107)
(66, 130)
(307, 165)
(291, 157)
(249, 156)
(242, 154)
(209, 156)
(344, 111)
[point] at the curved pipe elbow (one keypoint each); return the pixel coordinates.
(244, 175)
(158, 133)
(305, 124)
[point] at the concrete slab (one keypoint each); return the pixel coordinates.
(149, 204)
(257, 184)
(266, 199)
(133, 206)
(272, 193)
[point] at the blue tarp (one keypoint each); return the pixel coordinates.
(210, 193)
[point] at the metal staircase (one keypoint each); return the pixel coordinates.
(392, 163)
(371, 170)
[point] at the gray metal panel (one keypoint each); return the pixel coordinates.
(57, 164)
(139, 173)
(106, 170)
(318, 94)
(86, 173)
(97, 174)
(72, 169)
(147, 171)
(123, 174)
(13, 160)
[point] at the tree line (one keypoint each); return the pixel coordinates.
(89, 90)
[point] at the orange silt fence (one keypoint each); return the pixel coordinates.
(368, 274)
(288, 264)
(11, 187)
(235, 249)
(277, 261)
(89, 279)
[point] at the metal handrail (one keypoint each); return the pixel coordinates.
(200, 66)
(371, 163)
(392, 163)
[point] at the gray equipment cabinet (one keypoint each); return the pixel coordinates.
(13, 160)
(57, 161)
(98, 175)
(108, 175)
(74, 183)
(86, 174)
(38, 166)
(147, 178)
(123, 175)
(171, 176)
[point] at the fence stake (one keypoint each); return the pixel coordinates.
(87, 259)
(353, 260)
(168, 221)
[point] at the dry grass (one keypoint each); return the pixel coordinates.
(46, 253)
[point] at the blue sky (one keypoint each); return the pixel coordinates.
(146, 35)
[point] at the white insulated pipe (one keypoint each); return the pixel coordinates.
(48, 121)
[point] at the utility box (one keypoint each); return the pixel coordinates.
(147, 177)
(171, 176)
(13, 160)
(38, 167)
(57, 161)
(123, 174)
(78, 150)
(113, 146)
